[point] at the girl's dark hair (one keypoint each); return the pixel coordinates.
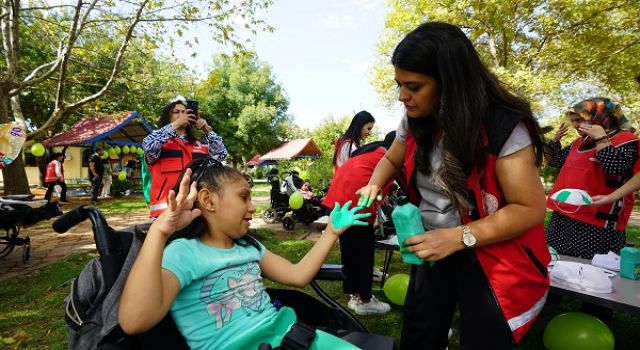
(165, 118)
(353, 132)
(469, 96)
(213, 175)
(369, 147)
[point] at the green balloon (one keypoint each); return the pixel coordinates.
(112, 151)
(577, 330)
(132, 149)
(37, 149)
(140, 151)
(296, 200)
(117, 149)
(125, 149)
(104, 155)
(122, 175)
(395, 288)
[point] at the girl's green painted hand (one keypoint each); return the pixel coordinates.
(343, 217)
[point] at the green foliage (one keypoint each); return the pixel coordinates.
(242, 102)
(553, 53)
(118, 187)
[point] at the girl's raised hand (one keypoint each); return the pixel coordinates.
(180, 211)
(368, 194)
(342, 218)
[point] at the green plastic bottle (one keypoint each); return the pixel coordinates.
(408, 222)
(630, 263)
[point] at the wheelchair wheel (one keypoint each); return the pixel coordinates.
(270, 215)
(6, 245)
(288, 223)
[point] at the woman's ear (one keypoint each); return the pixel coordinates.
(207, 200)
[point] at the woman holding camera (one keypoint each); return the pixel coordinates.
(170, 148)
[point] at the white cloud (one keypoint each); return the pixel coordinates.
(333, 21)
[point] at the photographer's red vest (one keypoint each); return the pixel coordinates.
(516, 269)
(50, 175)
(582, 170)
(174, 157)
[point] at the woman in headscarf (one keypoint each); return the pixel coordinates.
(599, 161)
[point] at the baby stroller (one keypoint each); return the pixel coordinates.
(91, 307)
(16, 212)
(279, 208)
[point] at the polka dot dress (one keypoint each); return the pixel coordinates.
(576, 238)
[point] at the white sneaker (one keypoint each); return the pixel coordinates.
(378, 275)
(374, 306)
(353, 301)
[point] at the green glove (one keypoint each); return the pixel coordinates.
(343, 217)
(366, 202)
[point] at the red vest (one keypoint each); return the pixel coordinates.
(516, 268)
(352, 176)
(50, 175)
(582, 170)
(174, 157)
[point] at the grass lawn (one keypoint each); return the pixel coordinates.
(31, 314)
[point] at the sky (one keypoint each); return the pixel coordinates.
(321, 53)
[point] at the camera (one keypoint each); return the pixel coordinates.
(193, 106)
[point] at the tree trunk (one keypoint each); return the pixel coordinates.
(15, 178)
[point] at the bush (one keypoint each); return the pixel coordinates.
(118, 187)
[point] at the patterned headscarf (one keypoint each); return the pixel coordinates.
(601, 111)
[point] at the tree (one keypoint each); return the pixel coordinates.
(552, 52)
(69, 31)
(325, 136)
(244, 105)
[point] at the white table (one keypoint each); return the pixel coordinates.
(625, 296)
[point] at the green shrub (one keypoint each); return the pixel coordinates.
(118, 187)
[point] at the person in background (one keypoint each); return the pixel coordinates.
(96, 170)
(357, 243)
(599, 161)
(107, 179)
(470, 151)
(306, 191)
(55, 176)
(359, 129)
(170, 148)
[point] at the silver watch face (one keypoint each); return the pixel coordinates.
(469, 239)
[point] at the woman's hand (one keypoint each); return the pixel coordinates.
(180, 210)
(184, 120)
(342, 218)
(435, 245)
(562, 131)
(368, 194)
(594, 131)
(202, 124)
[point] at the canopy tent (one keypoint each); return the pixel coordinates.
(255, 161)
(292, 150)
(127, 128)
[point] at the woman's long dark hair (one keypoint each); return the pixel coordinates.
(214, 177)
(354, 131)
(468, 94)
(165, 118)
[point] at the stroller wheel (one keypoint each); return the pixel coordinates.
(288, 223)
(270, 215)
(6, 245)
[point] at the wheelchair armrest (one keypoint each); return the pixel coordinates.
(330, 272)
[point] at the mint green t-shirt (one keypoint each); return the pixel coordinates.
(221, 296)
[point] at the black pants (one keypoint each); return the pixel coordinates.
(434, 291)
(356, 249)
(63, 193)
(96, 185)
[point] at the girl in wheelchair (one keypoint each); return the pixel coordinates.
(198, 263)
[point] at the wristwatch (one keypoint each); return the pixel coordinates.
(468, 238)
